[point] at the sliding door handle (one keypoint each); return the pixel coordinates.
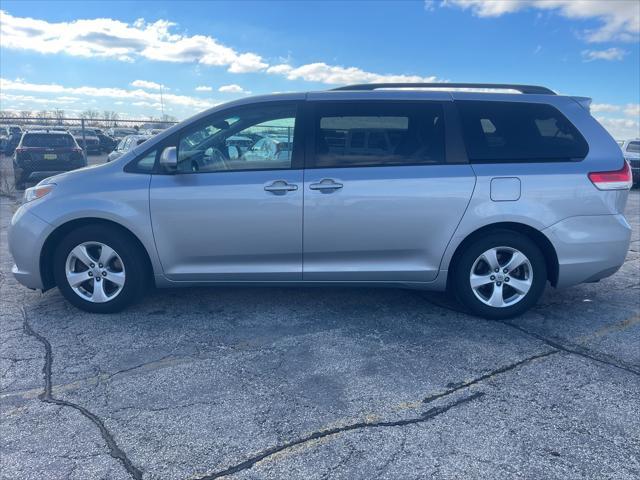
(326, 184)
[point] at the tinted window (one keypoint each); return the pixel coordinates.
(146, 163)
(633, 147)
(47, 140)
(209, 147)
(358, 134)
(516, 132)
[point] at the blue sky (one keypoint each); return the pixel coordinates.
(114, 55)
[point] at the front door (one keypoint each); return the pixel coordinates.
(225, 215)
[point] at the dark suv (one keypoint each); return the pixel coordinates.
(42, 153)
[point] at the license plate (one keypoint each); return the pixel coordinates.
(50, 156)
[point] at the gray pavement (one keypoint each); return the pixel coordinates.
(321, 383)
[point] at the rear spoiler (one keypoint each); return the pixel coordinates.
(584, 102)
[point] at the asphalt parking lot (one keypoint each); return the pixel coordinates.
(321, 384)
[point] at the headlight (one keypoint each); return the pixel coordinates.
(38, 191)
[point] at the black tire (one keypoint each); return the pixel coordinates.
(130, 253)
(460, 284)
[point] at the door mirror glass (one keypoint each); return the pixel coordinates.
(169, 159)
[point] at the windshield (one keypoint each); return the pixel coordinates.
(47, 140)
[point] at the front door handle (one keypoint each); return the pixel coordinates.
(280, 187)
(326, 185)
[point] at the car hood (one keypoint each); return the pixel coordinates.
(73, 175)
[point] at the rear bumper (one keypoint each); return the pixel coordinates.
(589, 247)
(26, 237)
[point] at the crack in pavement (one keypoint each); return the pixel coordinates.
(425, 417)
(47, 397)
(574, 349)
(461, 385)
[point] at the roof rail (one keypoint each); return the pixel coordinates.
(498, 86)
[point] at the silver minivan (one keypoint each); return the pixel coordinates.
(487, 191)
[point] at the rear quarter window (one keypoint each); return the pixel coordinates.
(509, 132)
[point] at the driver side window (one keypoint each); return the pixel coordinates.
(231, 140)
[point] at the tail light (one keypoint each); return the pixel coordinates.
(613, 180)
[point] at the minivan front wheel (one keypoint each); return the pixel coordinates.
(500, 275)
(98, 269)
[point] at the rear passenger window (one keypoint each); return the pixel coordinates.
(361, 135)
(518, 132)
(633, 147)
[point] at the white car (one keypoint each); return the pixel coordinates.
(127, 143)
(631, 152)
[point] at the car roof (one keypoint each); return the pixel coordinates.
(47, 132)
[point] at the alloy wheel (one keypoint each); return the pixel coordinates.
(95, 272)
(501, 277)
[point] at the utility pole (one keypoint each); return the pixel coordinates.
(161, 102)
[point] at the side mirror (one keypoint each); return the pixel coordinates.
(169, 159)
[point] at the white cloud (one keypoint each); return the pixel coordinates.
(233, 88)
(620, 19)
(109, 38)
(114, 39)
(7, 97)
(148, 85)
(621, 128)
(136, 95)
(333, 74)
(632, 109)
(203, 88)
(604, 107)
(610, 54)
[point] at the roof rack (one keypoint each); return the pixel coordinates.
(535, 89)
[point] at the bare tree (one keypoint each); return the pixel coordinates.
(90, 115)
(59, 116)
(26, 113)
(110, 118)
(43, 117)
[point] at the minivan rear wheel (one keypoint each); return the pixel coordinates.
(499, 275)
(99, 270)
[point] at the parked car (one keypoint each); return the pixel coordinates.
(44, 153)
(152, 131)
(487, 195)
(119, 133)
(241, 143)
(277, 148)
(127, 143)
(88, 137)
(107, 144)
(631, 152)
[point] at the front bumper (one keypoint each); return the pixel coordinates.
(589, 247)
(26, 238)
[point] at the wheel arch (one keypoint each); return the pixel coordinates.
(54, 238)
(539, 238)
